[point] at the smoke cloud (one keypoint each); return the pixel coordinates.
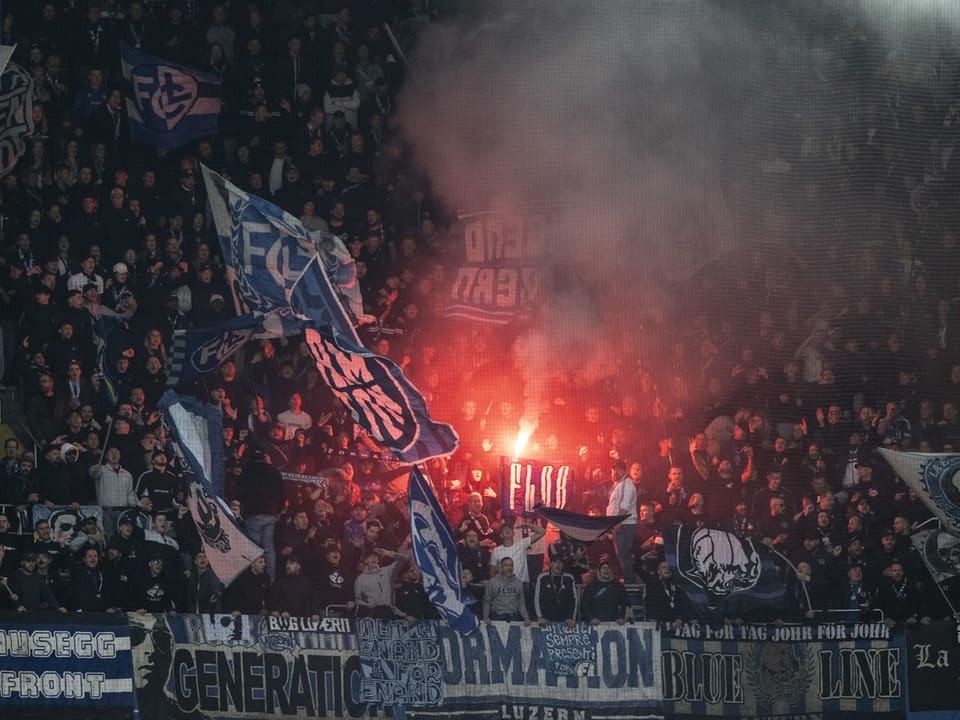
(648, 137)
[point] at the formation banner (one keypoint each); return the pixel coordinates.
(500, 276)
(820, 671)
(61, 669)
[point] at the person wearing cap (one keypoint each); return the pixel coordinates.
(33, 593)
(555, 597)
(604, 598)
(120, 284)
(156, 591)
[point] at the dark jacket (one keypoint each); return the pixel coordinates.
(247, 594)
(89, 591)
(604, 601)
(555, 597)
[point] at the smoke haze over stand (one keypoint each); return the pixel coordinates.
(664, 135)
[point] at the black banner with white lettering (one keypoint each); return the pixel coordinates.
(932, 670)
(525, 484)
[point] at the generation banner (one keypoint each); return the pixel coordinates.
(831, 672)
(499, 278)
(66, 667)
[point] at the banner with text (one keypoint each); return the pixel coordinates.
(502, 671)
(67, 666)
(750, 671)
(525, 484)
(500, 275)
(934, 659)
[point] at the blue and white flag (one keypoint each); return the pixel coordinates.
(197, 432)
(266, 249)
(435, 553)
(169, 105)
(382, 400)
(935, 477)
(276, 266)
(585, 528)
(199, 350)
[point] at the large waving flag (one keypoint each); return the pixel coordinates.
(276, 266)
(935, 477)
(720, 572)
(169, 105)
(196, 430)
(199, 350)
(382, 400)
(435, 553)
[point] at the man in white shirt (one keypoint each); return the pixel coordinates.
(515, 549)
(294, 417)
(623, 501)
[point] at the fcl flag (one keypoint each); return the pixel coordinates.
(169, 105)
(435, 553)
(197, 431)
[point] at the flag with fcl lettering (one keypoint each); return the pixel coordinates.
(168, 104)
(435, 553)
(279, 266)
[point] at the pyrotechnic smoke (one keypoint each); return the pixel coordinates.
(637, 129)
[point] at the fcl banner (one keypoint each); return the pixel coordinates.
(527, 484)
(168, 105)
(935, 477)
(500, 275)
(828, 672)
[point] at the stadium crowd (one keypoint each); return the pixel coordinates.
(758, 415)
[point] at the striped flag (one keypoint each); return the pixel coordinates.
(197, 433)
(435, 553)
(585, 528)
